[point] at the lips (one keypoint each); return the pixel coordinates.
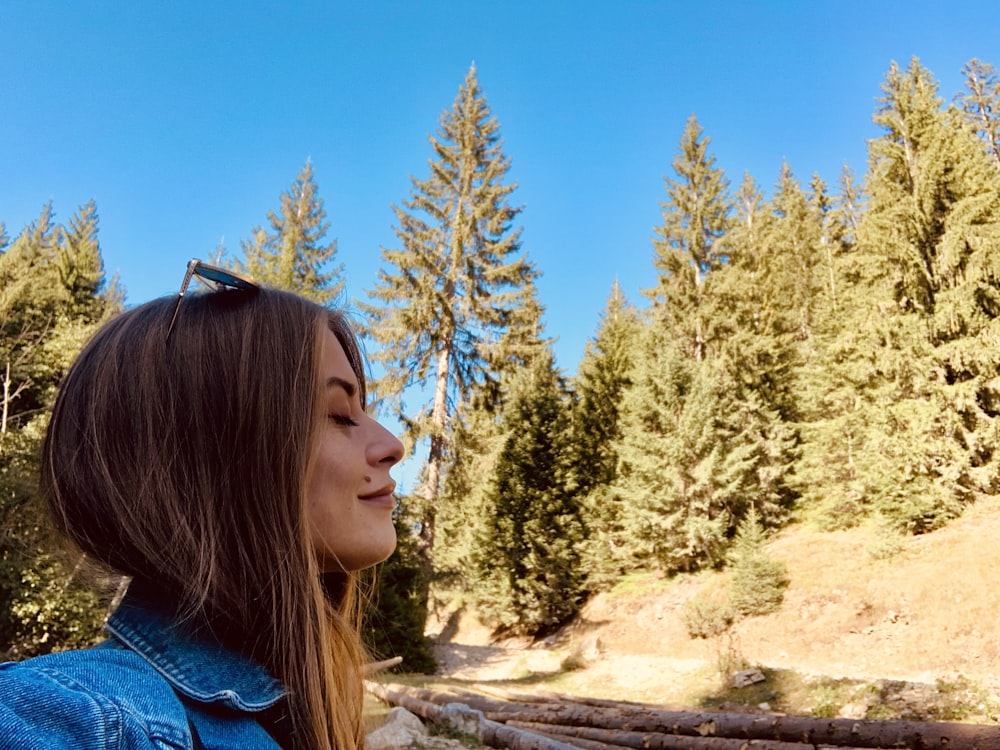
(381, 495)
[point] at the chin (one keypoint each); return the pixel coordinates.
(385, 554)
(362, 559)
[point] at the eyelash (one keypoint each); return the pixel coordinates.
(342, 420)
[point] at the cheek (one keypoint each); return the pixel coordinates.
(330, 472)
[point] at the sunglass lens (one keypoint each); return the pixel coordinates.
(219, 276)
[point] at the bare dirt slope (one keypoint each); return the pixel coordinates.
(926, 613)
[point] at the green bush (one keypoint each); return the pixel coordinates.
(758, 581)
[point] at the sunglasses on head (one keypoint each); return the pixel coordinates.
(217, 278)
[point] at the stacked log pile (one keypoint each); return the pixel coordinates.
(559, 722)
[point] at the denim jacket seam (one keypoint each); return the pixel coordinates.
(135, 640)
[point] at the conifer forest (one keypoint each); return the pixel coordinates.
(801, 352)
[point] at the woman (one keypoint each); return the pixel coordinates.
(215, 447)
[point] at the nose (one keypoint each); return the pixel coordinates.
(385, 449)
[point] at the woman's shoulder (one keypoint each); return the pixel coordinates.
(103, 697)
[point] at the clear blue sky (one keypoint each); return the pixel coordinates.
(186, 120)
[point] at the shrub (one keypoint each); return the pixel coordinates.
(758, 581)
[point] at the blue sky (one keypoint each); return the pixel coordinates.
(186, 120)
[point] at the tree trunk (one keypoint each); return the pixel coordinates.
(435, 453)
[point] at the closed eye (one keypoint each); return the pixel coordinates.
(343, 420)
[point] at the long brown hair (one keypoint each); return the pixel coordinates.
(182, 461)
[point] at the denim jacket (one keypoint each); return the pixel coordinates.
(148, 686)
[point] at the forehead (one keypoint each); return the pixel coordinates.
(333, 359)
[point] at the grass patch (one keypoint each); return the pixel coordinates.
(639, 583)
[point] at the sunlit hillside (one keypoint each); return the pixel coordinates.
(864, 612)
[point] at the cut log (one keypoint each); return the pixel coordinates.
(653, 741)
(395, 697)
(915, 735)
(500, 735)
(584, 743)
(491, 733)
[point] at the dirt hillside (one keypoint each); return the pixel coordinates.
(924, 613)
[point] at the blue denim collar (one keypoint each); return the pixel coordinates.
(197, 667)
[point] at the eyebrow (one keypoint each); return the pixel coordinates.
(348, 386)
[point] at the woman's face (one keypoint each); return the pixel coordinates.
(349, 490)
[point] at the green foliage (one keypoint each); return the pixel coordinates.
(292, 255)
(887, 542)
(933, 226)
(834, 355)
(477, 440)
(690, 244)
(52, 296)
(526, 563)
(602, 377)
(708, 417)
(706, 618)
(394, 623)
(758, 582)
(672, 473)
(757, 585)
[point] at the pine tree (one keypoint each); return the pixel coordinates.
(981, 104)
(670, 478)
(446, 299)
(794, 243)
(79, 262)
(603, 375)
(527, 572)
(764, 312)
(932, 221)
(397, 613)
(708, 418)
(758, 582)
(688, 247)
(476, 441)
(836, 367)
(292, 255)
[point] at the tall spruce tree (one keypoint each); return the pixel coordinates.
(794, 243)
(669, 451)
(605, 371)
(476, 439)
(294, 254)
(448, 298)
(689, 244)
(527, 569)
(837, 368)
(763, 313)
(933, 222)
(709, 417)
(79, 262)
